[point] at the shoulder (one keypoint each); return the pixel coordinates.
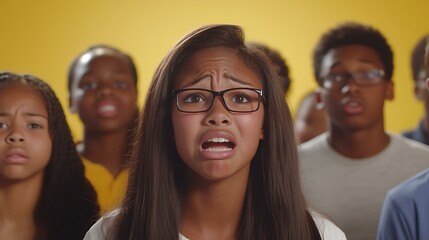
(399, 141)
(327, 229)
(317, 143)
(408, 134)
(412, 189)
(405, 209)
(100, 229)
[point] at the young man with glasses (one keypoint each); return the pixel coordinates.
(420, 73)
(405, 213)
(347, 171)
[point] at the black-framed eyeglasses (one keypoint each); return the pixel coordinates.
(364, 78)
(195, 100)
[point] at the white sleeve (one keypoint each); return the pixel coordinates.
(327, 229)
(100, 230)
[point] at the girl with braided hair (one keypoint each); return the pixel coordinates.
(43, 191)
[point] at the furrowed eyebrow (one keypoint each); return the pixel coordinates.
(30, 114)
(226, 75)
(5, 114)
(195, 81)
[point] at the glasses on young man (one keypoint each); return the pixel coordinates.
(364, 78)
(195, 100)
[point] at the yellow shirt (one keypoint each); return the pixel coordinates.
(110, 190)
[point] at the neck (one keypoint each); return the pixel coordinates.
(358, 144)
(214, 208)
(105, 149)
(18, 201)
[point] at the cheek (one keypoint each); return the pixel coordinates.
(130, 96)
(130, 103)
(251, 126)
(185, 132)
(48, 153)
(44, 150)
(85, 100)
(332, 100)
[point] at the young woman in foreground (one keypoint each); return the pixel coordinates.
(215, 156)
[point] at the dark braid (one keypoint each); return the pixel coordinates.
(68, 204)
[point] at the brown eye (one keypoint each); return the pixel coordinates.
(89, 86)
(120, 84)
(193, 98)
(34, 125)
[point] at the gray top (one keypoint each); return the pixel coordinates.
(351, 191)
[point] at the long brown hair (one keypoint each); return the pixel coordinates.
(274, 205)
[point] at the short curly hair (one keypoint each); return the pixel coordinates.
(418, 57)
(351, 33)
(277, 59)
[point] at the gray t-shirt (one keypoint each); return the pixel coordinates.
(352, 191)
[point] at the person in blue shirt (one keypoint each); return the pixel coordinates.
(421, 132)
(405, 213)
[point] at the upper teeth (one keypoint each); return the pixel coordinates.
(107, 108)
(218, 140)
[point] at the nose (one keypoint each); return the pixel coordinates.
(350, 86)
(105, 89)
(15, 137)
(218, 114)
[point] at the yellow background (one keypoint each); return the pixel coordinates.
(42, 37)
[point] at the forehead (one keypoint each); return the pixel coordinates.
(216, 61)
(228, 55)
(99, 52)
(101, 62)
(92, 59)
(21, 95)
(350, 54)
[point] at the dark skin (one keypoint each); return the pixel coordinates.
(112, 155)
(310, 121)
(24, 124)
(356, 122)
(104, 95)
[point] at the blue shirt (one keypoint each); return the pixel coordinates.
(405, 214)
(418, 134)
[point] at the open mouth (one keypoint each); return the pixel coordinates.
(218, 145)
(353, 107)
(107, 110)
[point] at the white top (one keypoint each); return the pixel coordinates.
(351, 191)
(327, 229)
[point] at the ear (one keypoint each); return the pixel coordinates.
(389, 93)
(318, 99)
(261, 134)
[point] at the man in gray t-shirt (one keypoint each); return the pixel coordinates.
(347, 171)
